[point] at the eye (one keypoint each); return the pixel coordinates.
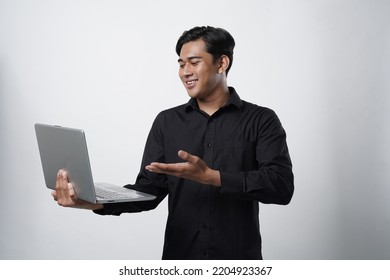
(194, 63)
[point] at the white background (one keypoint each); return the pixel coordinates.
(110, 66)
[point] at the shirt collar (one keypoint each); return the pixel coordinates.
(233, 100)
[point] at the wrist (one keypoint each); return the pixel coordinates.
(214, 178)
(96, 207)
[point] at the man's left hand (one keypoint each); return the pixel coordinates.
(194, 168)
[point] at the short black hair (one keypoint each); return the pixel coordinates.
(218, 41)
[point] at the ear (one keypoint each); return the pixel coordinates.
(224, 63)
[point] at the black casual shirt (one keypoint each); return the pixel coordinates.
(247, 144)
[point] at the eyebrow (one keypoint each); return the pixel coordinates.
(189, 58)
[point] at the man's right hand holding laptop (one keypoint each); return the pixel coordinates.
(65, 194)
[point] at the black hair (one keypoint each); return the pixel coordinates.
(218, 41)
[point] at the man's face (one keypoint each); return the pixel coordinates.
(197, 71)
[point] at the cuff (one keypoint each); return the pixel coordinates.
(232, 183)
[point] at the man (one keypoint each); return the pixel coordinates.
(216, 157)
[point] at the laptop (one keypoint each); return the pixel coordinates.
(66, 148)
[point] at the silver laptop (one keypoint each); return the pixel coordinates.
(66, 148)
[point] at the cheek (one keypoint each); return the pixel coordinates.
(179, 72)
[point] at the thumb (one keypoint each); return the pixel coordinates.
(54, 194)
(185, 156)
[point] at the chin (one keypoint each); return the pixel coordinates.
(192, 94)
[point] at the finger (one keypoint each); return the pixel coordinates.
(167, 168)
(159, 167)
(54, 194)
(150, 168)
(62, 183)
(58, 187)
(72, 192)
(186, 156)
(63, 190)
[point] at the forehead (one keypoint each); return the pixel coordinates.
(193, 49)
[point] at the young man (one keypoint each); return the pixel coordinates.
(216, 157)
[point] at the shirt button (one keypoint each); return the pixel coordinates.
(204, 227)
(209, 145)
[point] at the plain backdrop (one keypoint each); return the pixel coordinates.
(109, 67)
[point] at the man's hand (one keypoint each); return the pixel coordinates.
(65, 194)
(193, 168)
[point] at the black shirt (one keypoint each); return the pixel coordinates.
(247, 144)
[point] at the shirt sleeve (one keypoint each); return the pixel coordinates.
(148, 182)
(272, 181)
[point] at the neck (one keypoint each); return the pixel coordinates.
(215, 101)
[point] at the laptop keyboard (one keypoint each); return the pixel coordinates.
(107, 194)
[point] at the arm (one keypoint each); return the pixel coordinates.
(155, 184)
(146, 182)
(65, 196)
(271, 181)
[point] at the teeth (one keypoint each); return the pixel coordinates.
(191, 82)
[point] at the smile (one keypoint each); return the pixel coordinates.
(192, 82)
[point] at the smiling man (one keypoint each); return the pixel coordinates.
(215, 157)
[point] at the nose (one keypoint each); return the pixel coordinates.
(186, 70)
